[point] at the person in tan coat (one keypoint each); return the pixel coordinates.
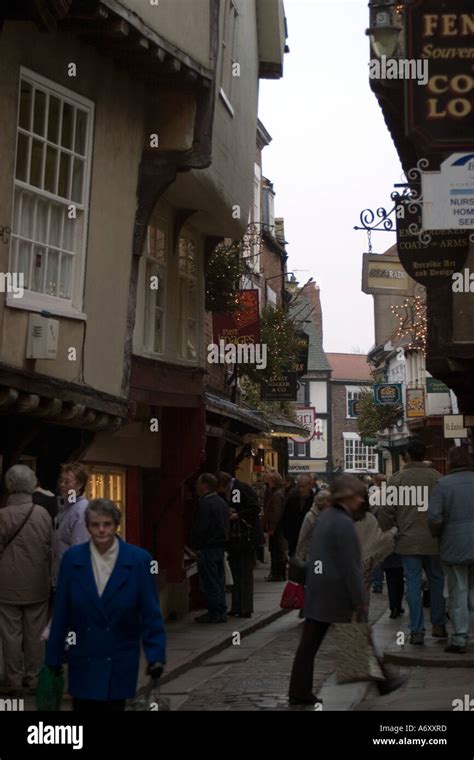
(26, 535)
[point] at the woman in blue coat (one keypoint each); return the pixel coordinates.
(106, 605)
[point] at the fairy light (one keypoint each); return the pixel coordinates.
(412, 323)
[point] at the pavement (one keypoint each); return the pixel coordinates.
(245, 664)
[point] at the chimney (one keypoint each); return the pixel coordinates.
(280, 230)
(311, 291)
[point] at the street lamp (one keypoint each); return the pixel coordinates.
(386, 23)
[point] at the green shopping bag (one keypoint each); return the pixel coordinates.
(50, 689)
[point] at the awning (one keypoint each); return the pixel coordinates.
(243, 414)
(282, 427)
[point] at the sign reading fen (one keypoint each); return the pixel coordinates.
(431, 264)
(441, 114)
(387, 393)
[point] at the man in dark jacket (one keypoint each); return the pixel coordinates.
(296, 507)
(244, 540)
(272, 525)
(451, 516)
(210, 535)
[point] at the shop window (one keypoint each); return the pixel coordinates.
(107, 483)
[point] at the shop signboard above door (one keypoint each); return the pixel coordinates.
(241, 325)
(448, 194)
(440, 114)
(430, 258)
(282, 387)
(388, 393)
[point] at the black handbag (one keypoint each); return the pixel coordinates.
(297, 571)
(240, 535)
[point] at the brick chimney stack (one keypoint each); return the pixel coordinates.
(311, 291)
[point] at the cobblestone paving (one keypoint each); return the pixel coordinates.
(261, 681)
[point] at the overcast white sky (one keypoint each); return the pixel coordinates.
(331, 157)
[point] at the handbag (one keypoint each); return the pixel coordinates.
(355, 655)
(49, 692)
(150, 701)
(292, 597)
(240, 535)
(297, 571)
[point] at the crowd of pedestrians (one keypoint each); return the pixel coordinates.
(65, 569)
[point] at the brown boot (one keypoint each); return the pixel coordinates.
(439, 632)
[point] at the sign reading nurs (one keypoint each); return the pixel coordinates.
(441, 114)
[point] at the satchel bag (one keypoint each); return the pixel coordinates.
(240, 536)
(150, 701)
(355, 655)
(292, 597)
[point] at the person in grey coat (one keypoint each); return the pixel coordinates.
(26, 535)
(451, 516)
(334, 585)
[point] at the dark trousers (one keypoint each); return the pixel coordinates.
(395, 586)
(241, 566)
(301, 682)
(212, 579)
(97, 706)
(277, 547)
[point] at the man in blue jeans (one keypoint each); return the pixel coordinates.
(451, 516)
(418, 548)
(210, 536)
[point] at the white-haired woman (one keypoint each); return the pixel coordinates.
(26, 535)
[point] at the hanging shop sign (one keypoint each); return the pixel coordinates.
(388, 393)
(415, 402)
(435, 386)
(282, 387)
(440, 114)
(241, 325)
(429, 258)
(306, 417)
(448, 195)
(454, 426)
(384, 275)
(300, 365)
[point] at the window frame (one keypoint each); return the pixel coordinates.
(352, 453)
(32, 300)
(189, 233)
(228, 53)
(352, 394)
(149, 260)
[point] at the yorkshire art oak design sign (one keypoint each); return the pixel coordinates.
(441, 114)
(432, 263)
